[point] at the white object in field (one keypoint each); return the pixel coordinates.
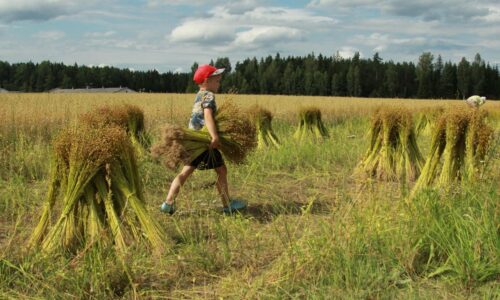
(475, 101)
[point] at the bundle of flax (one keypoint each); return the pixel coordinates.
(180, 146)
(426, 119)
(262, 119)
(393, 152)
(129, 117)
(96, 193)
(310, 125)
(461, 137)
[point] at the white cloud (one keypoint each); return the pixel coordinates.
(227, 29)
(493, 16)
(39, 10)
(203, 31)
(378, 42)
(104, 34)
(342, 3)
(239, 7)
(117, 43)
(177, 2)
(348, 52)
(265, 36)
(429, 10)
(235, 7)
(53, 35)
(280, 15)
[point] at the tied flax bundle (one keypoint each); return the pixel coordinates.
(393, 153)
(310, 125)
(426, 119)
(461, 138)
(180, 146)
(95, 194)
(262, 119)
(127, 116)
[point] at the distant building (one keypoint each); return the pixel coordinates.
(94, 90)
(3, 91)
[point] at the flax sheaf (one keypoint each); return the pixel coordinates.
(426, 120)
(460, 141)
(311, 126)
(95, 194)
(179, 146)
(129, 117)
(393, 153)
(262, 120)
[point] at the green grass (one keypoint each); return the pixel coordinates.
(312, 230)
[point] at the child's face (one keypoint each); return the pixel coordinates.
(213, 83)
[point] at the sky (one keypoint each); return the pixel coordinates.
(170, 35)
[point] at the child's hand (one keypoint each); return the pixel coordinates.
(215, 143)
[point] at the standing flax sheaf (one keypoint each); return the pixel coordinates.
(461, 138)
(95, 193)
(180, 146)
(129, 117)
(426, 119)
(262, 119)
(310, 125)
(393, 152)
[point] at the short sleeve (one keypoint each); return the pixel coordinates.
(208, 101)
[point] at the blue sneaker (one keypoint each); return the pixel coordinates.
(228, 210)
(234, 206)
(167, 208)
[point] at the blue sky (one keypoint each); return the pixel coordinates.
(172, 34)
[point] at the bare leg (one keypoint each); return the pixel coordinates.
(222, 185)
(178, 182)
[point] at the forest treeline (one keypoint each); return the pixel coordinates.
(430, 77)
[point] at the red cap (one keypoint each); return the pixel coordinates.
(205, 71)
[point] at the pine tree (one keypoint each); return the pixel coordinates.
(339, 84)
(424, 75)
(191, 86)
(464, 78)
(478, 74)
(436, 78)
(391, 80)
(448, 82)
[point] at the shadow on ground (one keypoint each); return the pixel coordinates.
(266, 212)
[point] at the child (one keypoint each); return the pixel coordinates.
(208, 79)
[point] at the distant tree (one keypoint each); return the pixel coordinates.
(339, 84)
(191, 85)
(353, 80)
(478, 74)
(302, 75)
(408, 80)
(424, 75)
(448, 81)
(288, 80)
(492, 83)
(24, 76)
(436, 77)
(374, 78)
(464, 78)
(223, 62)
(391, 80)
(310, 67)
(5, 74)
(44, 79)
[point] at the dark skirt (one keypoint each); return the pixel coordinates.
(209, 159)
